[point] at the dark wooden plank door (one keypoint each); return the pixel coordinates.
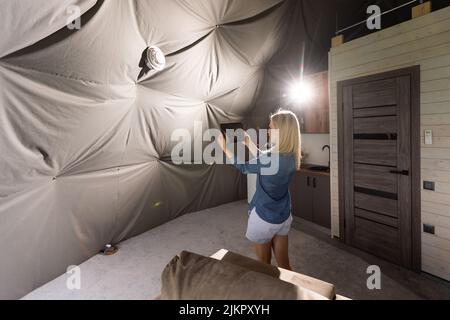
(376, 142)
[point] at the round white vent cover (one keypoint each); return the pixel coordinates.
(155, 59)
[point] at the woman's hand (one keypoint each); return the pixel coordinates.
(247, 139)
(252, 147)
(222, 142)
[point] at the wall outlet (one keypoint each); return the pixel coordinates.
(428, 185)
(428, 137)
(428, 228)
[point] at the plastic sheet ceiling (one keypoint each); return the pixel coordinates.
(84, 140)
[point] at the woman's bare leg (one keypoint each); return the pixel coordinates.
(280, 245)
(264, 252)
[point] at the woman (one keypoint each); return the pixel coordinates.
(270, 209)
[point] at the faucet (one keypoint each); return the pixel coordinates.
(329, 155)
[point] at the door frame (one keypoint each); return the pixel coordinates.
(414, 73)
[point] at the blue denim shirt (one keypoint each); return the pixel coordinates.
(272, 199)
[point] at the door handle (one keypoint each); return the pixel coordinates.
(314, 182)
(307, 182)
(402, 172)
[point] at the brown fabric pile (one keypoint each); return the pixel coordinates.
(190, 276)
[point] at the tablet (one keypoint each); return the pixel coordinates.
(233, 126)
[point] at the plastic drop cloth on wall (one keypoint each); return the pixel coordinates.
(83, 140)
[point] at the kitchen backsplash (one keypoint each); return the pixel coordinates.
(312, 148)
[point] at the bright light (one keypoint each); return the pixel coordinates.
(301, 92)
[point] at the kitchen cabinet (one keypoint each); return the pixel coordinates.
(314, 116)
(310, 197)
(301, 195)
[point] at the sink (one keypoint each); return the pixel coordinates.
(319, 168)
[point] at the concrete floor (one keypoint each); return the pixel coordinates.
(134, 272)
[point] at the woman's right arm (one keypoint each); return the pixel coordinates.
(245, 168)
(254, 151)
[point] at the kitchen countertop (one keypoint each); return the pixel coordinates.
(305, 168)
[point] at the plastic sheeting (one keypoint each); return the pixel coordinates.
(83, 140)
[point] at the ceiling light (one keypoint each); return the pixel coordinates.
(155, 59)
(301, 92)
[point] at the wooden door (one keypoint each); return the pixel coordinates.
(378, 166)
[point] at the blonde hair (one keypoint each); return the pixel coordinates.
(289, 137)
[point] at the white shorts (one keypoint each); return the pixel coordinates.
(261, 232)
